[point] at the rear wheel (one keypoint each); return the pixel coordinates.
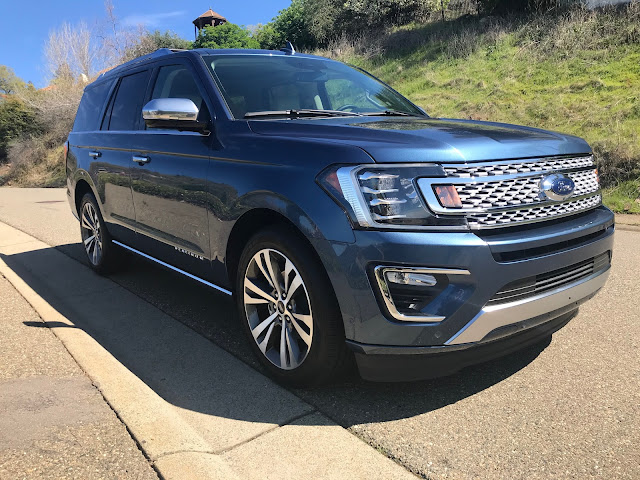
(101, 253)
(288, 309)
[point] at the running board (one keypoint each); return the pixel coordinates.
(175, 269)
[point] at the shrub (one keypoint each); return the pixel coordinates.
(9, 82)
(36, 162)
(346, 48)
(227, 35)
(16, 119)
(36, 156)
(291, 24)
(312, 24)
(522, 6)
(149, 42)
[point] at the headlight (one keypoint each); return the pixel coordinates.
(385, 196)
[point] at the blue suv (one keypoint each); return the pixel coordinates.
(344, 220)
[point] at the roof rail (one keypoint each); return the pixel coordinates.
(158, 53)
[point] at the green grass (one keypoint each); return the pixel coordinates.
(624, 198)
(578, 74)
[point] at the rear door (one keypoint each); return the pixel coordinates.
(112, 165)
(169, 180)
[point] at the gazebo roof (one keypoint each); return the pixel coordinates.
(207, 15)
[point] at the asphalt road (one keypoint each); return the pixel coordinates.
(568, 407)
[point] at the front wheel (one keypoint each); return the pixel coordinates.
(288, 309)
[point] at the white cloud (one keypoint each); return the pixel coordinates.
(150, 19)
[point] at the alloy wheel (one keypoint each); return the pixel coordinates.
(91, 233)
(278, 309)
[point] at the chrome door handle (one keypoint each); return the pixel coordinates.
(95, 154)
(141, 160)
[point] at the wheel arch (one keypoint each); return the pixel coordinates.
(82, 188)
(248, 225)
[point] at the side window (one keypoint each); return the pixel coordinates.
(127, 105)
(176, 81)
(90, 108)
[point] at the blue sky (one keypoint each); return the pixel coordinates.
(24, 25)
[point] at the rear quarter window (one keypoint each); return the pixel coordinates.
(88, 116)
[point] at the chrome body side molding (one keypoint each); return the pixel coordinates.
(175, 269)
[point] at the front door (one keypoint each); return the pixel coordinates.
(169, 179)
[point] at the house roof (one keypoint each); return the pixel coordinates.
(209, 14)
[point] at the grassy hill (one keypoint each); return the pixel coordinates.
(576, 73)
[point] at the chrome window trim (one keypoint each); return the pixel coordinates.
(381, 280)
(175, 269)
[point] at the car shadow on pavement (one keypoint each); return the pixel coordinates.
(142, 336)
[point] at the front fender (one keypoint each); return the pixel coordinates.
(315, 215)
(324, 225)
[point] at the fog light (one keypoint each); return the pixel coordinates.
(413, 279)
(410, 294)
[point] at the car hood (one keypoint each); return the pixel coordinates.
(399, 139)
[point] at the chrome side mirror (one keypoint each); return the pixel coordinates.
(173, 114)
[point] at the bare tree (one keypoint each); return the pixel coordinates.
(117, 42)
(73, 50)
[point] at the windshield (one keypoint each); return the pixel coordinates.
(260, 84)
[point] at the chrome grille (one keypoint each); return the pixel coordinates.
(522, 215)
(528, 287)
(518, 191)
(518, 166)
(504, 193)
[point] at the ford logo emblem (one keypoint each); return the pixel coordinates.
(557, 186)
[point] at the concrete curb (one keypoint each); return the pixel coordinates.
(162, 434)
(181, 440)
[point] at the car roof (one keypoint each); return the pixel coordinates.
(167, 52)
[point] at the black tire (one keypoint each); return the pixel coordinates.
(327, 357)
(108, 259)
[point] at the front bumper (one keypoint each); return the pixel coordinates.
(493, 317)
(412, 364)
(469, 319)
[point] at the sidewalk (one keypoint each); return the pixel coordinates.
(626, 221)
(53, 422)
(195, 410)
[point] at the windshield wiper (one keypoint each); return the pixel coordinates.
(301, 113)
(389, 113)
